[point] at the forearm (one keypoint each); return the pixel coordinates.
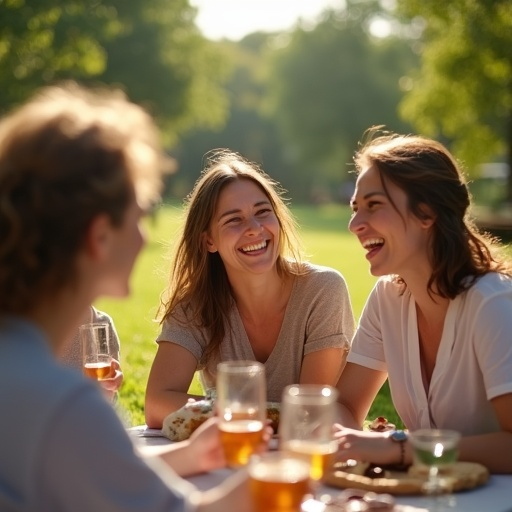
(160, 404)
(182, 457)
(492, 450)
(347, 418)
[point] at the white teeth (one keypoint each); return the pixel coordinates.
(372, 242)
(256, 247)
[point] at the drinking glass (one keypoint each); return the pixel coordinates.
(241, 407)
(308, 413)
(278, 482)
(436, 450)
(96, 353)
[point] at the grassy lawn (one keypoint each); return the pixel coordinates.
(327, 242)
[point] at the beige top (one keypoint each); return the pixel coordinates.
(318, 316)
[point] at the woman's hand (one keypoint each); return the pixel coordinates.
(113, 382)
(205, 447)
(363, 446)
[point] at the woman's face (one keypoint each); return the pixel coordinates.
(396, 241)
(244, 229)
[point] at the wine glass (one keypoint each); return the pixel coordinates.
(435, 449)
(308, 413)
(242, 409)
(96, 351)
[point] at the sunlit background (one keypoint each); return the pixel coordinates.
(290, 84)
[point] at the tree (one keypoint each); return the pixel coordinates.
(329, 85)
(248, 128)
(463, 92)
(151, 48)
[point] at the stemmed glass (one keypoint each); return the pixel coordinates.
(308, 413)
(435, 449)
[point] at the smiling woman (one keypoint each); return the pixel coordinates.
(234, 19)
(241, 290)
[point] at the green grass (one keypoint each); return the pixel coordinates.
(326, 241)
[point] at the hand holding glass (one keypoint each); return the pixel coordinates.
(96, 354)
(242, 409)
(308, 413)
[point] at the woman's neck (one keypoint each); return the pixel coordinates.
(262, 297)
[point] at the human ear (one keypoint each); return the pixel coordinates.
(427, 216)
(98, 237)
(209, 244)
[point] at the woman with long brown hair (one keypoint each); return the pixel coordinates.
(438, 322)
(239, 289)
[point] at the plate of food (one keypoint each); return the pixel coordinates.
(180, 424)
(387, 479)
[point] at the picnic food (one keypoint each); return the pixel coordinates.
(361, 500)
(387, 479)
(179, 425)
(381, 424)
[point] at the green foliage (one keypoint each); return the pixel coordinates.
(301, 101)
(150, 48)
(463, 91)
(325, 239)
(330, 84)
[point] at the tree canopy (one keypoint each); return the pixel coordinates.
(463, 91)
(151, 48)
(330, 84)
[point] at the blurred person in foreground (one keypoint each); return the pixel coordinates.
(77, 170)
(70, 353)
(438, 322)
(239, 289)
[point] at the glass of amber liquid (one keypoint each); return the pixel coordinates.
(278, 482)
(241, 407)
(308, 413)
(96, 354)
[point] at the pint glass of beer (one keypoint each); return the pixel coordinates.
(278, 482)
(96, 353)
(308, 413)
(241, 407)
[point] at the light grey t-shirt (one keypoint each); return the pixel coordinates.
(318, 316)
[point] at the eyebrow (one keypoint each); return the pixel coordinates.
(368, 196)
(238, 210)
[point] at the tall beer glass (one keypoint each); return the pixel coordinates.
(96, 352)
(241, 407)
(308, 413)
(278, 482)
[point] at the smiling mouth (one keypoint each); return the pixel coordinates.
(254, 247)
(373, 243)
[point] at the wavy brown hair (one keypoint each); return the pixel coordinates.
(198, 280)
(66, 156)
(430, 176)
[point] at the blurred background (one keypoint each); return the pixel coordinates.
(291, 84)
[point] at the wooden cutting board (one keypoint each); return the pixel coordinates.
(460, 476)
